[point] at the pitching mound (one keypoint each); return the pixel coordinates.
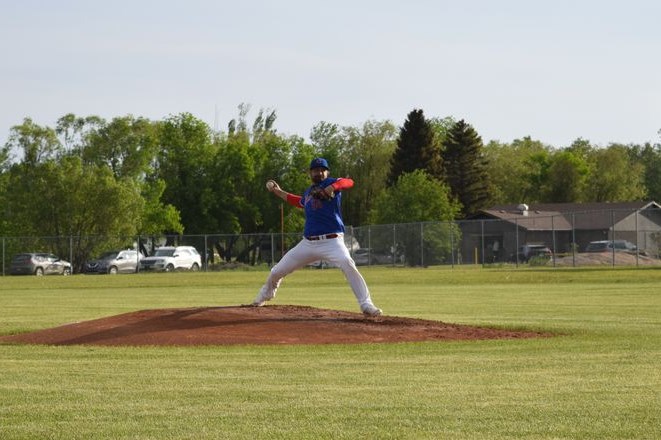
(254, 325)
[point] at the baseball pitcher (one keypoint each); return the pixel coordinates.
(323, 235)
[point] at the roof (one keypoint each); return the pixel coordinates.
(584, 207)
(534, 221)
(561, 216)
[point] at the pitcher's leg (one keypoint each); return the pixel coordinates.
(295, 258)
(356, 281)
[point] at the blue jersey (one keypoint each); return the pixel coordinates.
(322, 216)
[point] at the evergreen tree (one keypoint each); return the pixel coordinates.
(417, 149)
(466, 168)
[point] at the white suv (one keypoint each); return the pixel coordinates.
(169, 259)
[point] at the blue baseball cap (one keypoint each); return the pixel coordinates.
(319, 162)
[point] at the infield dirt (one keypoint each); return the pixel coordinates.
(274, 324)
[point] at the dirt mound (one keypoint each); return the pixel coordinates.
(278, 324)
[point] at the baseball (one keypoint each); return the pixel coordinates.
(270, 185)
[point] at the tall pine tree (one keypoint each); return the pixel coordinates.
(417, 149)
(466, 168)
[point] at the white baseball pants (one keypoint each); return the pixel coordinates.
(307, 251)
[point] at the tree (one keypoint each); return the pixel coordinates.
(4, 158)
(234, 181)
(613, 176)
(417, 197)
(367, 159)
(158, 217)
(466, 168)
(74, 131)
(566, 178)
(417, 149)
(85, 204)
(127, 145)
(649, 156)
(37, 144)
(536, 173)
(330, 141)
(101, 213)
(22, 204)
(285, 159)
(440, 127)
(245, 157)
(514, 170)
(580, 148)
(362, 153)
(184, 163)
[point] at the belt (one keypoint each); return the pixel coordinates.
(323, 237)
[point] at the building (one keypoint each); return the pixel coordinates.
(564, 227)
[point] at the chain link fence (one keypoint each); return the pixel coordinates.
(594, 238)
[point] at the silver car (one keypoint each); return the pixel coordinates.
(114, 262)
(39, 263)
(366, 256)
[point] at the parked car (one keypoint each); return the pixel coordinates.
(171, 258)
(365, 256)
(532, 250)
(39, 263)
(362, 257)
(114, 262)
(321, 264)
(608, 245)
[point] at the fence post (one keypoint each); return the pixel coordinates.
(71, 252)
(272, 249)
(369, 245)
(636, 226)
(613, 237)
(3, 256)
(394, 241)
(137, 253)
(482, 240)
(422, 244)
(553, 239)
(573, 239)
(206, 254)
(450, 224)
(516, 241)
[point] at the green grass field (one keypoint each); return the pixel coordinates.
(600, 378)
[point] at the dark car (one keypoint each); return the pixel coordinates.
(39, 263)
(114, 262)
(609, 245)
(532, 250)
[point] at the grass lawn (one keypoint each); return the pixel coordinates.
(600, 378)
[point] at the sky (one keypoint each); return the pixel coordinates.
(552, 70)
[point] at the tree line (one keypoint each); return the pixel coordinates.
(129, 176)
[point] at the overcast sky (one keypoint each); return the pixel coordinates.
(553, 70)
